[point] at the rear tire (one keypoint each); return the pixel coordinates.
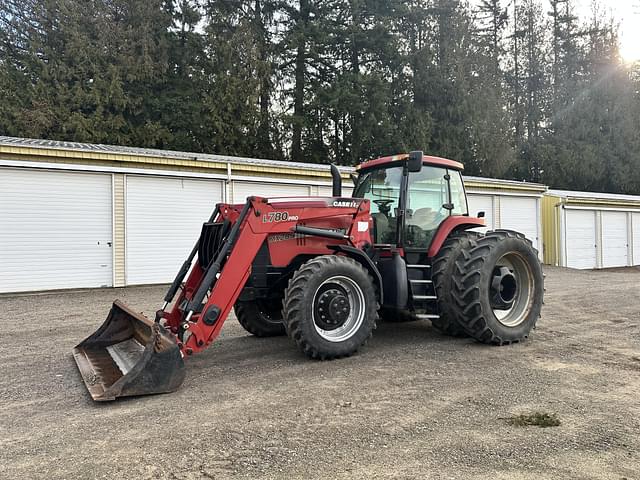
(330, 307)
(498, 287)
(260, 319)
(442, 271)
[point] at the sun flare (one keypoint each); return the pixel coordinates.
(630, 51)
(630, 40)
(629, 15)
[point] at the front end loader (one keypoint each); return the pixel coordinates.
(323, 271)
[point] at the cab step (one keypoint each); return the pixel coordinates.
(425, 297)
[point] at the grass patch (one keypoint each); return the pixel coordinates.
(538, 419)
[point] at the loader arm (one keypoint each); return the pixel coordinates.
(133, 355)
(197, 322)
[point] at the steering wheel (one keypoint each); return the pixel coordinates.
(384, 205)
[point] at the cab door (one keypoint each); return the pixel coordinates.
(432, 195)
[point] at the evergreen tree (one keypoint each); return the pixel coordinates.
(530, 86)
(499, 85)
(490, 123)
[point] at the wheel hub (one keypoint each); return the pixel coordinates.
(504, 288)
(332, 309)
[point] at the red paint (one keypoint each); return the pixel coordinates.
(254, 231)
(354, 219)
(426, 160)
(454, 222)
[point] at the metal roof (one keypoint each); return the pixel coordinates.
(153, 152)
(505, 183)
(213, 158)
(603, 197)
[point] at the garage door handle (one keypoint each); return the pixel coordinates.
(109, 243)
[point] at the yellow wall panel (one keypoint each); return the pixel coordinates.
(119, 242)
(551, 229)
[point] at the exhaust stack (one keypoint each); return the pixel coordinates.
(337, 181)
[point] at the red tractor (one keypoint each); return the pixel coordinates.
(323, 270)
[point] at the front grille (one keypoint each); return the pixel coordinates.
(212, 238)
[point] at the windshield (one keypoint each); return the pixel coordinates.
(382, 188)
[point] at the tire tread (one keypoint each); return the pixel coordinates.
(466, 288)
(294, 304)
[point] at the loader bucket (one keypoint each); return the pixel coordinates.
(129, 355)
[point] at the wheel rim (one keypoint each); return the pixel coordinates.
(269, 313)
(338, 309)
(511, 289)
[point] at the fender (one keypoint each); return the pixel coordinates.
(452, 223)
(366, 262)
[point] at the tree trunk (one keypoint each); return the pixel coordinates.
(355, 71)
(300, 78)
(264, 139)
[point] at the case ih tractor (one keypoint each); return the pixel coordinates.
(323, 271)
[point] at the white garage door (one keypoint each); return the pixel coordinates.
(580, 240)
(636, 238)
(615, 247)
(520, 214)
(242, 190)
(55, 230)
(164, 217)
(482, 203)
(325, 191)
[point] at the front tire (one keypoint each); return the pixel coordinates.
(330, 307)
(498, 288)
(259, 318)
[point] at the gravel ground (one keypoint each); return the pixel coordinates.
(412, 404)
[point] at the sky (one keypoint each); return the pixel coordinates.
(627, 12)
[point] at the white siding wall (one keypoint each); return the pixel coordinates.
(615, 248)
(242, 190)
(482, 203)
(55, 230)
(580, 240)
(325, 191)
(164, 217)
(636, 238)
(513, 212)
(521, 214)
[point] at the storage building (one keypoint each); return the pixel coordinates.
(591, 230)
(76, 215)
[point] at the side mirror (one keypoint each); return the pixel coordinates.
(414, 163)
(480, 215)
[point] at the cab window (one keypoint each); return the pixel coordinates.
(427, 202)
(382, 189)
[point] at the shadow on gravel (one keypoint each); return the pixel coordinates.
(388, 337)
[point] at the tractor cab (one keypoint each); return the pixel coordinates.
(411, 195)
(417, 203)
